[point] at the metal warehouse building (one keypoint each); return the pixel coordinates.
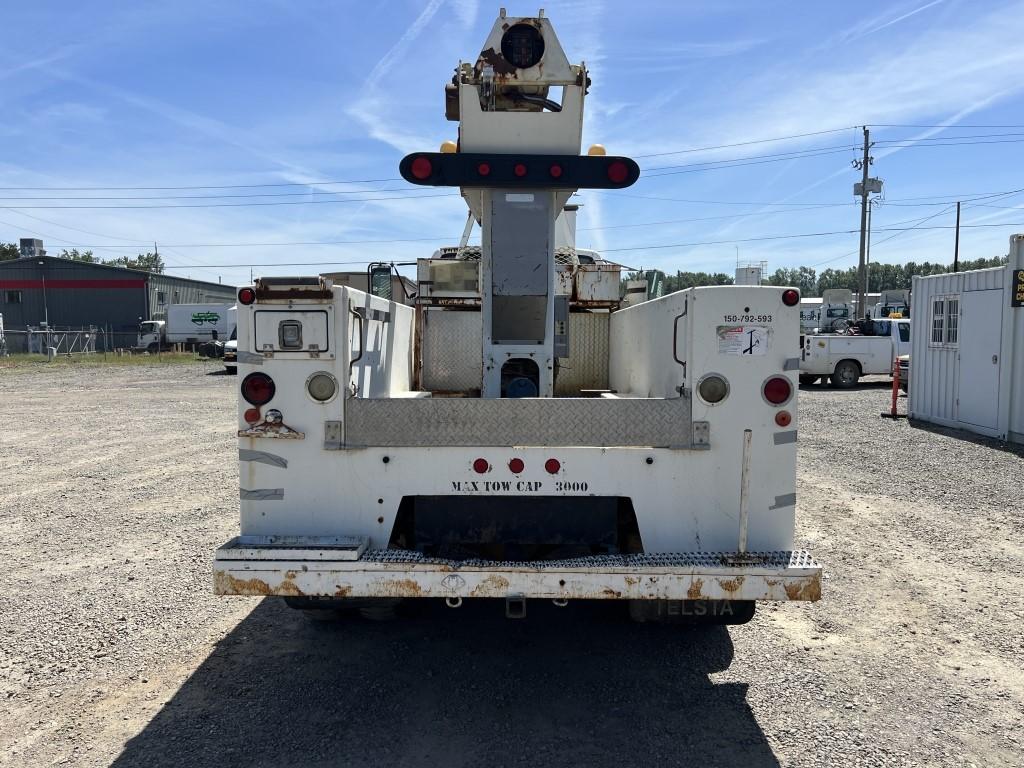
(60, 293)
(967, 354)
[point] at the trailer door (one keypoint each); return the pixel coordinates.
(979, 340)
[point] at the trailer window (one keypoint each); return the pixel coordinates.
(952, 320)
(12, 297)
(904, 330)
(945, 321)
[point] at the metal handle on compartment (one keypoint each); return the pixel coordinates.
(362, 344)
(675, 334)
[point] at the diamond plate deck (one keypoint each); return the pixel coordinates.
(589, 422)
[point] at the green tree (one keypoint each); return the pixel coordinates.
(75, 255)
(9, 251)
(148, 262)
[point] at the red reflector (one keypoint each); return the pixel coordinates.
(251, 415)
(422, 168)
(246, 296)
(791, 297)
(777, 390)
(480, 466)
(519, 169)
(516, 466)
(258, 388)
(555, 171)
(484, 169)
(783, 418)
(552, 466)
(618, 172)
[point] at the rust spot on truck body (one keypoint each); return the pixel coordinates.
(693, 592)
(731, 585)
(805, 590)
(226, 584)
(492, 586)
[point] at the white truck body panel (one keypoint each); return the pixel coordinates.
(300, 489)
(197, 322)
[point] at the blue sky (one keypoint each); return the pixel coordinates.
(195, 94)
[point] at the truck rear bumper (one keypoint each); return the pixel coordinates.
(339, 567)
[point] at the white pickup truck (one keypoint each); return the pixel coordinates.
(843, 358)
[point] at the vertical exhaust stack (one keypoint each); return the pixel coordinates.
(517, 163)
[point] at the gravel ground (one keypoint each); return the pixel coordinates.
(117, 483)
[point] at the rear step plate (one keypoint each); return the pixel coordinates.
(321, 571)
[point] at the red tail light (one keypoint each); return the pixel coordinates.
(258, 388)
(246, 296)
(516, 466)
(480, 466)
(422, 168)
(555, 171)
(519, 169)
(791, 297)
(251, 415)
(618, 172)
(552, 466)
(484, 169)
(777, 390)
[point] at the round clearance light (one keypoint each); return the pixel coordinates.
(556, 171)
(258, 388)
(777, 390)
(516, 466)
(552, 466)
(251, 415)
(618, 172)
(480, 466)
(783, 418)
(713, 389)
(791, 297)
(483, 169)
(522, 46)
(322, 386)
(519, 169)
(422, 168)
(246, 296)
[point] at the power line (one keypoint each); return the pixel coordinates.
(224, 205)
(783, 155)
(210, 186)
(215, 197)
(745, 143)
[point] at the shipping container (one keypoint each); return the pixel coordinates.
(967, 351)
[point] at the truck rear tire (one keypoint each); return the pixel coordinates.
(846, 375)
(152, 348)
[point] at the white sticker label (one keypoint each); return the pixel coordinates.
(744, 339)
(518, 197)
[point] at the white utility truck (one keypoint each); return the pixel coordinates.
(516, 434)
(843, 358)
(191, 324)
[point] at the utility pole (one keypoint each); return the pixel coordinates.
(867, 254)
(862, 273)
(956, 243)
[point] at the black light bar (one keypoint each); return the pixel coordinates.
(459, 169)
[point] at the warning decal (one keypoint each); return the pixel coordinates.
(744, 339)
